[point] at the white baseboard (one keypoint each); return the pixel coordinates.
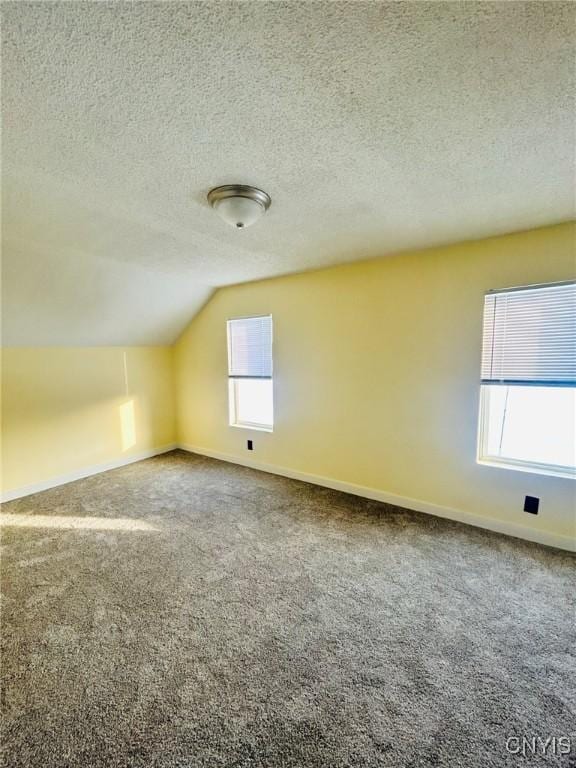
(78, 474)
(499, 526)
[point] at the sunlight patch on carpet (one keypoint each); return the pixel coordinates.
(66, 522)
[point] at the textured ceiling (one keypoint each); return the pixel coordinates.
(375, 127)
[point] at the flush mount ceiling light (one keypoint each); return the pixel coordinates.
(238, 204)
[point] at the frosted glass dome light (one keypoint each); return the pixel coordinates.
(239, 205)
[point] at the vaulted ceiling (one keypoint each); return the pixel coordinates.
(375, 127)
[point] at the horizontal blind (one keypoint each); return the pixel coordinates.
(530, 336)
(250, 347)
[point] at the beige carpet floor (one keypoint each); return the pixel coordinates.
(185, 612)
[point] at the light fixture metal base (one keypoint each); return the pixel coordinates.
(239, 190)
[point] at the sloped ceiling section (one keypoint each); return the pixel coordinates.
(375, 127)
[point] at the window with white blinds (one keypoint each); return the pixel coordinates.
(528, 393)
(250, 386)
(530, 336)
(250, 347)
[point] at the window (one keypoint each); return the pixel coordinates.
(250, 372)
(528, 388)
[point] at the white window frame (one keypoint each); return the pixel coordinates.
(502, 462)
(489, 460)
(233, 406)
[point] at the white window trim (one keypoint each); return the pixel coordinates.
(233, 410)
(232, 389)
(251, 427)
(485, 459)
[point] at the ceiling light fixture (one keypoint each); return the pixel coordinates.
(238, 204)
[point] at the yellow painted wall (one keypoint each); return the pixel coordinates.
(69, 409)
(377, 374)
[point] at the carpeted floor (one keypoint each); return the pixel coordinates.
(186, 612)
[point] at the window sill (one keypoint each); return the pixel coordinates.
(535, 469)
(252, 427)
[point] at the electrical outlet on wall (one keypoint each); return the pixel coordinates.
(250, 445)
(531, 504)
